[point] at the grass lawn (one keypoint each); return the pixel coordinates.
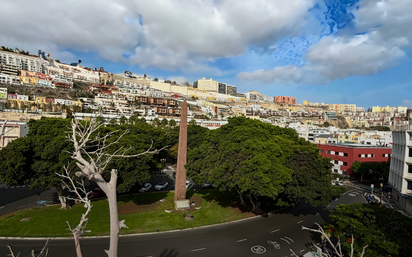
(143, 213)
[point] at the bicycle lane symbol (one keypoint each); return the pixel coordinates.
(258, 249)
(275, 244)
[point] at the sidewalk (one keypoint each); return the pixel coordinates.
(387, 202)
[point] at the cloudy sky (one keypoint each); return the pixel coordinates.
(331, 51)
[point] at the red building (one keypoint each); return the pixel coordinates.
(285, 99)
(343, 155)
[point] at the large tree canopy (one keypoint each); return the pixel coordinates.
(261, 161)
(37, 157)
(385, 231)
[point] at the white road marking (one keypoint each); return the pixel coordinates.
(328, 206)
(317, 213)
(289, 239)
(274, 231)
(241, 240)
(200, 249)
(302, 250)
(336, 199)
(11, 187)
(1, 207)
(285, 240)
(17, 186)
(300, 222)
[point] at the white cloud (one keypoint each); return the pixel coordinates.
(175, 34)
(387, 34)
(407, 103)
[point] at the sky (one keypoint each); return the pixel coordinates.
(327, 51)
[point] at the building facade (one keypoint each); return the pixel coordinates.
(285, 99)
(344, 155)
(400, 174)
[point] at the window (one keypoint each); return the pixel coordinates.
(336, 162)
(336, 153)
(345, 154)
(409, 185)
(321, 150)
(345, 164)
(409, 168)
(410, 152)
(327, 151)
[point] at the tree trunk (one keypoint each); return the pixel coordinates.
(242, 200)
(62, 199)
(255, 205)
(110, 189)
(76, 236)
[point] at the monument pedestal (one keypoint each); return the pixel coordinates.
(182, 204)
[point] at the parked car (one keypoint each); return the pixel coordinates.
(339, 183)
(146, 187)
(333, 182)
(97, 192)
(207, 184)
(161, 185)
(188, 184)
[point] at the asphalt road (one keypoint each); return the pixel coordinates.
(14, 198)
(249, 237)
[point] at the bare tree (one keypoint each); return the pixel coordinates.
(336, 247)
(90, 152)
(81, 196)
(43, 253)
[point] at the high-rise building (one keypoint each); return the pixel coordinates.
(400, 174)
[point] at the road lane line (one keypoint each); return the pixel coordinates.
(289, 239)
(200, 249)
(300, 222)
(274, 231)
(302, 250)
(241, 240)
(328, 206)
(285, 240)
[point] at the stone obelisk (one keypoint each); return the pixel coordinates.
(180, 184)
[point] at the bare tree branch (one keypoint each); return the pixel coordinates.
(337, 248)
(91, 158)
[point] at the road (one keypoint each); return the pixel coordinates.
(249, 237)
(14, 198)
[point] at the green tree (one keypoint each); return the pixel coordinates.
(311, 179)
(156, 122)
(113, 122)
(246, 156)
(357, 168)
(164, 122)
(172, 123)
(385, 231)
(38, 157)
(262, 163)
(123, 120)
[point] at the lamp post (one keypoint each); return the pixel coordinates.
(383, 181)
(163, 160)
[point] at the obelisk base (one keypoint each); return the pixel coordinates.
(182, 204)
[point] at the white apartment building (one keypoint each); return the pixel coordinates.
(400, 174)
(11, 62)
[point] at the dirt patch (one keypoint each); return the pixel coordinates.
(132, 208)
